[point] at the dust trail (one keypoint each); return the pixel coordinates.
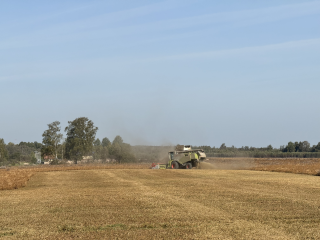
(206, 165)
(227, 164)
(150, 154)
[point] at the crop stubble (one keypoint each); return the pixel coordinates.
(16, 177)
(153, 204)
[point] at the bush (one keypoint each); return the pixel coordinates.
(55, 162)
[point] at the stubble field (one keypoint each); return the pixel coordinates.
(162, 204)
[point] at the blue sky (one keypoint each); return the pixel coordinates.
(194, 72)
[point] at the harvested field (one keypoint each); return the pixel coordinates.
(162, 204)
(310, 166)
(13, 178)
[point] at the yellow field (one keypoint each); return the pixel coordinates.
(310, 166)
(16, 177)
(162, 204)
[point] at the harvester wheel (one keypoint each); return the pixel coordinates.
(188, 166)
(174, 165)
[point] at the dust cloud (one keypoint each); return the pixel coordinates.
(227, 164)
(206, 165)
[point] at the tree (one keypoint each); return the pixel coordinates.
(115, 151)
(223, 146)
(62, 148)
(118, 140)
(51, 139)
(305, 146)
(97, 152)
(269, 148)
(291, 147)
(33, 158)
(81, 133)
(121, 151)
(97, 142)
(106, 142)
(315, 148)
(3, 151)
(296, 146)
(126, 154)
(101, 151)
(104, 153)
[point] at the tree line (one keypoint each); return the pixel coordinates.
(301, 149)
(15, 153)
(80, 143)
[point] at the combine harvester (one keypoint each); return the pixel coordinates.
(183, 158)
